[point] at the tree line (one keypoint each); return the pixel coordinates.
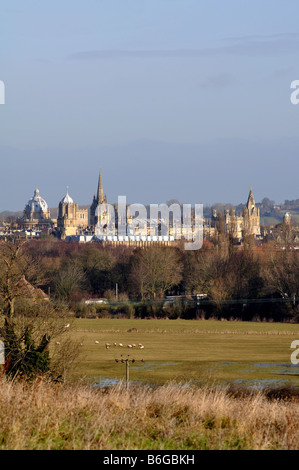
(138, 280)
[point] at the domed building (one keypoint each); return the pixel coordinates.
(36, 212)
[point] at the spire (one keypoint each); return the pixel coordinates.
(100, 195)
(250, 201)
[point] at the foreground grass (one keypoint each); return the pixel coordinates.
(76, 417)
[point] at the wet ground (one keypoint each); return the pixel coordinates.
(261, 374)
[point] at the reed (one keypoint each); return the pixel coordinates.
(43, 416)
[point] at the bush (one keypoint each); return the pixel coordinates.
(25, 357)
(30, 340)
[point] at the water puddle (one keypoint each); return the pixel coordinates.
(104, 382)
(279, 368)
(249, 373)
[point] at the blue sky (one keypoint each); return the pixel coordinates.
(184, 99)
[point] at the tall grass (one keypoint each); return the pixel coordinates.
(171, 417)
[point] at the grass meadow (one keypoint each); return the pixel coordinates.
(200, 351)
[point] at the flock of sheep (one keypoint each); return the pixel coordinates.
(108, 345)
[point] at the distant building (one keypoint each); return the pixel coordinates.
(70, 217)
(36, 213)
(237, 226)
(285, 234)
(92, 224)
(29, 291)
(251, 217)
(98, 199)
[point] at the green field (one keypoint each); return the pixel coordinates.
(187, 350)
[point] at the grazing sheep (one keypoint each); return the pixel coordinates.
(96, 342)
(130, 346)
(141, 346)
(121, 345)
(107, 345)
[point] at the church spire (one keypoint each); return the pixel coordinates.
(100, 195)
(250, 201)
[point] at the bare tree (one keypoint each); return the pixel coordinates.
(11, 271)
(155, 270)
(17, 264)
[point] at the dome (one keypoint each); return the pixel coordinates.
(36, 203)
(67, 199)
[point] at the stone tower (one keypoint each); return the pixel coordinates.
(70, 217)
(251, 217)
(98, 199)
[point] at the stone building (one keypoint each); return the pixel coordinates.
(71, 219)
(237, 226)
(36, 213)
(285, 234)
(251, 217)
(98, 199)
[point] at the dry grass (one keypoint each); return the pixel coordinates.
(171, 417)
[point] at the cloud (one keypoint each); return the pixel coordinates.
(135, 53)
(217, 81)
(250, 45)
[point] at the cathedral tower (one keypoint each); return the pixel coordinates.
(98, 199)
(251, 216)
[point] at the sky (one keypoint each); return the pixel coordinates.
(170, 99)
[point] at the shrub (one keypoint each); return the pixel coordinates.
(24, 356)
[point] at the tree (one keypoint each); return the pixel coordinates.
(97, 265)
(282, 273)
(26, 332)
(69, 280)
(155, 270)
(12, 267)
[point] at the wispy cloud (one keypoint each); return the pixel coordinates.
(263, 36)
(217, 81)
(137, 53)
(250, 45)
